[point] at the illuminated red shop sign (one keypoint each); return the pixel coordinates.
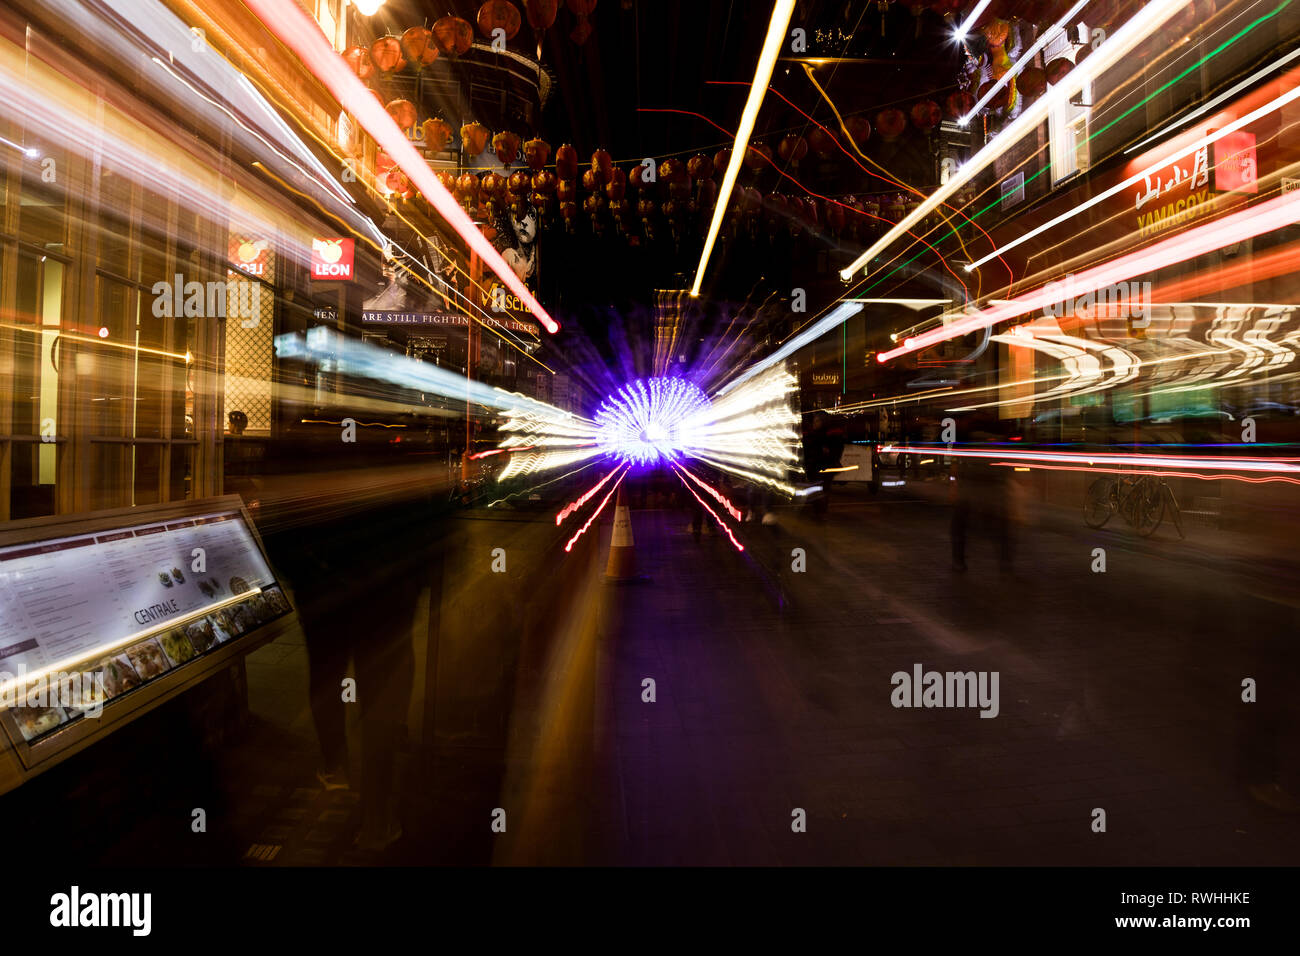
(332, 258)
(1235, 168)
(250, 256)
(1183, 189)
(1172, 195)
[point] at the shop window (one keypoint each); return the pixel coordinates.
(329, 14)
(134, 376)
(42, 214)
(32, 382)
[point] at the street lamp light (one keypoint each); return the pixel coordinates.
(367, 8)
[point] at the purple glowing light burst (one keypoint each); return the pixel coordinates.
(650, 421)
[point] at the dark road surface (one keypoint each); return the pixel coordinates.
(1118, 691)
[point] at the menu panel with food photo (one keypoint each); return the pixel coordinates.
(148, 659)
(201, 635)
(176, 645)
(64, 600)
(119, 675)
(36, 722)
(83, 692)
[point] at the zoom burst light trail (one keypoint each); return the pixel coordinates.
(750, 432)
(647, 422)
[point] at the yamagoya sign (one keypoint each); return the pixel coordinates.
(1187, 179)
(1177, 184)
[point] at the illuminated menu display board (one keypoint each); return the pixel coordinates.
(67, 600)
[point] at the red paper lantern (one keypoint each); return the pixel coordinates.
(758, 156)
(498, 15)
(891, 123)
(636, 176)
(386, 54)
(398, 183)
(721, 160)
(467, 186)
(566, 162)
(358, 60)
(836, 216)
(699, 167)
(792, 148)
(1057, 69)
(926, 115)
(823, 142)
(493, 185)
(616, 185)
(859, 130)
(581, 9)
(958, 104)
(402, 112)
(567, 190)
(541, 13)
(1001, 99)
(544, 182)
(1032, 82)
(506, 145)
(453, 36)
(672, 171)
(590, 180)
(437, 134)
(601, 164)
(537, 152)
(474, 138)
(519, 182)
(417, 44)
(447, 179)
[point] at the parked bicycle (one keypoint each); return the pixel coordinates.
(1143, 501)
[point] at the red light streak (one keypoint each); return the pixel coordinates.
(731, 509)
(721, 523)
(1235, 463)
(595, 514)
(1254, 221)
(1159, 474)
(574, 506)
(300, 33)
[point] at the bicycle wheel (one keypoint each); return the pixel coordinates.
(1149, 508)
(1127, 497)
(1171, 505)
(1099, 504)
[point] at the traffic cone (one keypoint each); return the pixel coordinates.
(622, 555)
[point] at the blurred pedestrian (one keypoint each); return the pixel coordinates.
(823, 450)
(982, 494)
(356, 577)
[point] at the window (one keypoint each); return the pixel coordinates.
(1067, 124)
